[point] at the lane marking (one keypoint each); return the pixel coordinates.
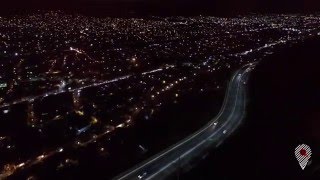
(200, 131)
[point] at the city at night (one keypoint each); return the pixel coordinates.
(143, 89)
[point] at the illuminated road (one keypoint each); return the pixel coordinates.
(61, 91)
(212, 135)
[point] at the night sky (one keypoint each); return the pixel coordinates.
(168, 7)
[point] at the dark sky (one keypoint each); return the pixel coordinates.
(168, 7)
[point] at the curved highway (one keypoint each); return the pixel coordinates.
(184, 154)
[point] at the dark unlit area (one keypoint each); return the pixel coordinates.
(284, 107)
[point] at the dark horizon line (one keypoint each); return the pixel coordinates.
(142, 8)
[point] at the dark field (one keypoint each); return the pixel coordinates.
(284, 111)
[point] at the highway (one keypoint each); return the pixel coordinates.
(183, 155)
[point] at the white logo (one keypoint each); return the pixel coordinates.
(303, 154)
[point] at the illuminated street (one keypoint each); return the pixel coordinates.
(75, 89)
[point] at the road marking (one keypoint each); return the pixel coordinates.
(197, 133)
(205, 140)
